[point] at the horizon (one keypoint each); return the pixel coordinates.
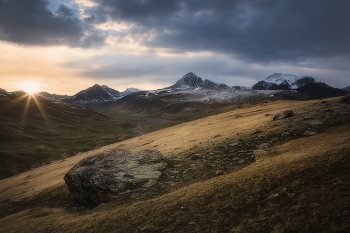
(69, 45)
(33, 87)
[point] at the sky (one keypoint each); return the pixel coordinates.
(69, 45)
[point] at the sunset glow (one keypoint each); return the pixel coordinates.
(30, 87)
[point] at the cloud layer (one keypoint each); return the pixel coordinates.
(257, 31)
(29, 22)
(143, 41)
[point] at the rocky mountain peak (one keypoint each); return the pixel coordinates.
(191, 81)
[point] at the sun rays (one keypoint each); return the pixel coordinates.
(27, 104)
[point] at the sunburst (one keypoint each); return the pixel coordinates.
(30, 87)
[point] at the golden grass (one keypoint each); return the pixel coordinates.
(300, 163)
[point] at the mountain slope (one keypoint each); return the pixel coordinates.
(303, 177)
(280, 81)
(114, 93)
(347, 89)
(3, 91)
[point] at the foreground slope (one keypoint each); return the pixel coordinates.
(301, 177)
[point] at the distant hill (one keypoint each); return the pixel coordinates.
(51, 96)
(321, 90)
(35, 131)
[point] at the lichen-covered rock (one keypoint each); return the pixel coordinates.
(283, 115)
(99, 178)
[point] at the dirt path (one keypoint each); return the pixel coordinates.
(144, 124)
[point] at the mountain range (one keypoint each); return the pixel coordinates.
(101, 96)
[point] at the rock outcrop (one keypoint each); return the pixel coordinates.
(283, 115)
(98, 179)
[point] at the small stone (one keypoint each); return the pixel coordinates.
(274, 195)
(238, 115)
(315, 122)
(290, 226)
(204, 176)
(306, 118)
(263, 146)
(260, 152)
(219, 172)
(100, 206)
(183, 208)
(241, 161)
(237, 229)
(191, 223)
(15, 201)
(196, 156)
(309, 133)
(233, 144)
(257, 132)
(149, 184)
(285, 134)
(291, 195)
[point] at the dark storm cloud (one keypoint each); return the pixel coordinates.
(65, 11)
(259, 31)
(30, 22)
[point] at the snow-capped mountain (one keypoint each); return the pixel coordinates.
(129, 91)
(94, 94)
(280, 81)
(347, 89)
(97, 96)
(192, 81)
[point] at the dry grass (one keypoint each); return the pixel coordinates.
(314, 169)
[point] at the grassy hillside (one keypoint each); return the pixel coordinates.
(34, 132)
(301, 177)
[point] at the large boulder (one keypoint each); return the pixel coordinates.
(283, 115)
(345, 99)
(101, 177)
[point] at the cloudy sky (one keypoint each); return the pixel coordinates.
(69, 45)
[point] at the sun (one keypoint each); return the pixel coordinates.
(30, 87)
